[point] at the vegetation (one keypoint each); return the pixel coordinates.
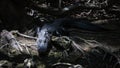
(19, 20)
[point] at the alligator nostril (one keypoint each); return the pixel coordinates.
(40, 41)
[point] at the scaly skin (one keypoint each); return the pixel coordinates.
(46, 32)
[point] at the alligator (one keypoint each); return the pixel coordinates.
(60, 27)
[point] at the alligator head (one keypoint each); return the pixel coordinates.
(43, 40)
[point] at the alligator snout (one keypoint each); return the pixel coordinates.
(42, 45)
(43, 41)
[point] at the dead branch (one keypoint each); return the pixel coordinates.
(9, 38)
(23, 35)
(57, 12)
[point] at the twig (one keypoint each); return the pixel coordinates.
(68, 64)
(23, 35)
(3, 46)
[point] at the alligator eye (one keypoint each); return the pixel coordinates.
(45, 41)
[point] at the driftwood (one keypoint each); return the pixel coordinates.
(70, 49)
(8, 37)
